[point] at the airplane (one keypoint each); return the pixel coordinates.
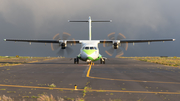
(89, 51)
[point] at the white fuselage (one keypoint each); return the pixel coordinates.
(89, 51)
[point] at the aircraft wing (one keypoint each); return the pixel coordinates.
(79, 41)
(42, 40)
(136, 40)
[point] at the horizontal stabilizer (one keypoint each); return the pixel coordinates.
(91, 21)
(103, 21)
(76, 21)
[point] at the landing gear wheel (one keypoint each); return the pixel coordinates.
(104, 61)
(75, 60)
(100, 61)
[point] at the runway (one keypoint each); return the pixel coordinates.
(117, 80)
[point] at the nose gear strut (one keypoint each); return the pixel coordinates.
(102, 61)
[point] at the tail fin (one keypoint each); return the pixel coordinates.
(90, 24)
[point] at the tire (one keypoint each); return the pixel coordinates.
(100, 61)
(75, 61)
(104, 61)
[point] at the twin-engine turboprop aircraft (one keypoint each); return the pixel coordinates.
(89, 51)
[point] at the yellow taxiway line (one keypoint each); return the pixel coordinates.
(149, 92)
(128, 80)
(88, 72)
(134, 80)
(118, 91)
(95, 90)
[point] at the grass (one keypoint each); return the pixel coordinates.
(13, 60)
(115, 100)
(169, 61)
(5, 98)
(42, 98)
(85, 90)
(34, 96)
(52, 85)
(111, 94)
(11, 91)
(123, 88)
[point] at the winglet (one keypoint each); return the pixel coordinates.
(174, 39)
(4, 39)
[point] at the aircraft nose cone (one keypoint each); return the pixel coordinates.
(90, 58)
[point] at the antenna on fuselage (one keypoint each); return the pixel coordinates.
(90, 24)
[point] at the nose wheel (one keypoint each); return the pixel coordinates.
(76, 60)
(102, 61)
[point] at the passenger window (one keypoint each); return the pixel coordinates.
(86, 47)
(95, 48)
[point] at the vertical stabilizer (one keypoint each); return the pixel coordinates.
(89, 27)
(89, 21)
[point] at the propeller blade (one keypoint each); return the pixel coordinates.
(104, 44)
(74, 41)
(110, 51)
(66, 35)
(61, 52)
(120, 36)
(125, 45)
(119, 52)
(55, 46)
(69, 50)
(111, 36)
(56, 37)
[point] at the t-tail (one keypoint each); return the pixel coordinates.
(89, 21)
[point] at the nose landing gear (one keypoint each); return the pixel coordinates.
(102, 61)
(76, 60)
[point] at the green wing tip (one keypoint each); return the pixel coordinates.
(4, 39)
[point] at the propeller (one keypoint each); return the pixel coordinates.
(63, 45)
(119, 47)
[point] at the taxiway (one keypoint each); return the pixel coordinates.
(118, 79)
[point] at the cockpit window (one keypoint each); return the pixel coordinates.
(91, 47)
(86, 47)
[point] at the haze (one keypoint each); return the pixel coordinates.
(136, 19)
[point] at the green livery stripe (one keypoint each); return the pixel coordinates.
(89, 52)
(98, 58)
(90, 58)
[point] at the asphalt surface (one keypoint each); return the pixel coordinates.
(117, 80)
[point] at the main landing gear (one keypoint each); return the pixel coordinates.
(102, 61)
(76, 60)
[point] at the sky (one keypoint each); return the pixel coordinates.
(135, 19)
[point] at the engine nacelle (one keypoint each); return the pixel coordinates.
(115, 46)
(63, 46)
